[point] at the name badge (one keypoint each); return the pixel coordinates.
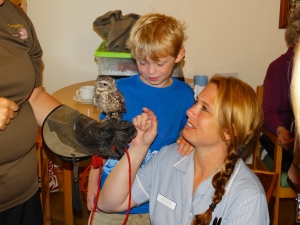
(167, 202)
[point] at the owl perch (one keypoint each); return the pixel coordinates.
(108, 98)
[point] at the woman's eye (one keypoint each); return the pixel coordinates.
(204, 108)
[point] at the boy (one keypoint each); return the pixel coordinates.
(156, 42)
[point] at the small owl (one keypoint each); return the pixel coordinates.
(108, 98)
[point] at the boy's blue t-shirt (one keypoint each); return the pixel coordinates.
(169, 104)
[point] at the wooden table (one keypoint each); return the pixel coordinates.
(65, 96)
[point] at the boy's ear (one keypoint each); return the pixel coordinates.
(180, 55)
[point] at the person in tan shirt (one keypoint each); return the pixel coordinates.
(24, 106)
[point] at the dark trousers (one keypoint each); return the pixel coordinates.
(27, 213)
(287, 155)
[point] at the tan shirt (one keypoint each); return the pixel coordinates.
(20, 65)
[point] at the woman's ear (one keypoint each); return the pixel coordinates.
(180, 55)
(226, 134)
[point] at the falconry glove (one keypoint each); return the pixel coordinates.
(70, 134)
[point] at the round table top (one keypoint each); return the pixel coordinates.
(65, 96)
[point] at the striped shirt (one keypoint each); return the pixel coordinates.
(167, 182)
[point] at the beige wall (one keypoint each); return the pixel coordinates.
(223, 36)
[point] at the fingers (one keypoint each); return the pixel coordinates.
(286, 144)
(7, 112)
(91, 204)
(144, 120)
(184, 148)
(13, 106)
(146, 124)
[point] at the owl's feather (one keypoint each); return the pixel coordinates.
(108, 98)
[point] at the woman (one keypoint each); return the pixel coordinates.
(24, 106)
(210, 186)
(277, 107)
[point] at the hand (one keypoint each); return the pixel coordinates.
(184, 148)
(93, 186)
(7, 112)
(284, 138)
(146, 124)
(294, 176)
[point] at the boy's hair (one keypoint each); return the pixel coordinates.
(156, 36)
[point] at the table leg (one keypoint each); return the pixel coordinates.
(67, 173)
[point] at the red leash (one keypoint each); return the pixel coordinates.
(98, 161)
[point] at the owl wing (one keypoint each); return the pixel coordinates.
(118, 97)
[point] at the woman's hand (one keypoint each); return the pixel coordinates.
(7, 112)
(284, 138)
(146, 124)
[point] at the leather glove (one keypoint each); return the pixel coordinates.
(70, 134)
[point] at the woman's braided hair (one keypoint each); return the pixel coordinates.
(241, 117)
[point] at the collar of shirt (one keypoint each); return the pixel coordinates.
(187, 164)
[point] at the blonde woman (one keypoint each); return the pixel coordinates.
(210, 186)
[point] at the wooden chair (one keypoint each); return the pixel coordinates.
(269, 181)
(43, 174)
(260, 163)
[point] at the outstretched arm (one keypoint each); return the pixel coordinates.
(114, 195)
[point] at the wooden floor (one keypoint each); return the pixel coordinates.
(286, 211)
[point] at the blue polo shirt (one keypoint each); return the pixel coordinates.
(169, 105)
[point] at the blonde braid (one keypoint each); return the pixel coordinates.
(241, 118)
(219, 182)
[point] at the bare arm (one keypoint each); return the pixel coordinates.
(113, 198)
(42, 104)
(294, 172)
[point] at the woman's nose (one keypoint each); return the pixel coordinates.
(192, 112)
